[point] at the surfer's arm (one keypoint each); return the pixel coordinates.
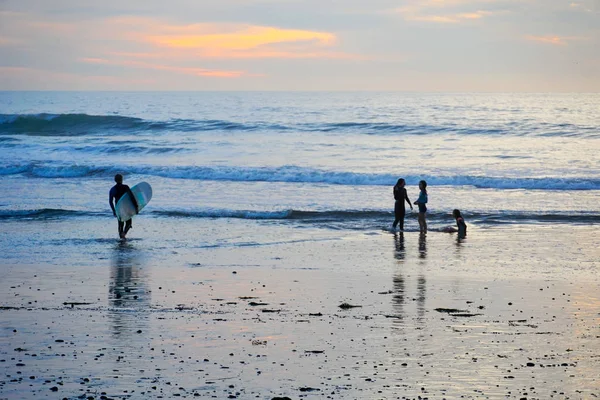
(134, 201)
(111, 197)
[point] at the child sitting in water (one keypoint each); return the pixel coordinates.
(460, 223)
(461, 226)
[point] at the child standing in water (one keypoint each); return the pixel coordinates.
(400, 196)
(421, 201)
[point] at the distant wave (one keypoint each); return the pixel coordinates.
(294, 174)
(337, 219)
(85, 124)
(117, 148)
(67, 124)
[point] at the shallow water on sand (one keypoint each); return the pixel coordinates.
(510, 313)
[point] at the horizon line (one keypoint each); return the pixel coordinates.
(292, 91)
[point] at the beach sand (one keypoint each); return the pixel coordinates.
(508, 312)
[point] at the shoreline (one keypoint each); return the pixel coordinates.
(440, 321)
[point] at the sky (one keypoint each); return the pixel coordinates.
(301, 45)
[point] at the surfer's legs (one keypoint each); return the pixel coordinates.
(127, 228)
(121, 224)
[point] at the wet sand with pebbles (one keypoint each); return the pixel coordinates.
(505, 313)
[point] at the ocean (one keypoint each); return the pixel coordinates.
(263, 267)
(252, 169)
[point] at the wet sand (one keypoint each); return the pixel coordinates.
(506, 313)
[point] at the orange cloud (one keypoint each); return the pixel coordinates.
(555, 40)
(182, 70)
(245, 38)
(437, 11)
(415, 15)
(5, 41)
(242, 54)
(226, 40)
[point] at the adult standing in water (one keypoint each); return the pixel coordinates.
(400, 195)
(116, 192)
(421, 201)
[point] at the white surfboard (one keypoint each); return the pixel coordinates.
(125, 209)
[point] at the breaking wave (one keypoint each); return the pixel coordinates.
(295, 174)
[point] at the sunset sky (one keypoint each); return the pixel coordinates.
(399, 45)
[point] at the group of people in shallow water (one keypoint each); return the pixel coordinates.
(401, 196)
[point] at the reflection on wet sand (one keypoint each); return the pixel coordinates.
(400, 252)
(400, 282)
(421, 296)
(422, 246)
(127, 291)
(398, 298)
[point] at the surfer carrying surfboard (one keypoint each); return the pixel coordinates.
(116, 192)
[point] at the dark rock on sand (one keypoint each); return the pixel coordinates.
(450, 310)
(346, 306)
(308, 389)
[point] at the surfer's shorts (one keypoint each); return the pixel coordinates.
(422, 208)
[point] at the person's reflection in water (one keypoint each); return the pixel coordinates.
(422, 246)
(400, 252)
(399, 291)
(127, 292)
(421, 281)
(421, 295)
(399, 297)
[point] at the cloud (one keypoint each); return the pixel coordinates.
(554, 39)
(248, 41)
(182, 70)
(244, 38)
(581, 7)
(156, 44)
(443, 11)
(228, 41)
(18, 77)
(447, 19)
(7, 41)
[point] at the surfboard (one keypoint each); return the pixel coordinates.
(125, 209)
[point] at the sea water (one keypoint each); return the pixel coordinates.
(230, 170)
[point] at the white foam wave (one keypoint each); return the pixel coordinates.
(295, 174)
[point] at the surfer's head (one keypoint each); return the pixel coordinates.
(456, 213)
(401, 182)
(119, 178)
